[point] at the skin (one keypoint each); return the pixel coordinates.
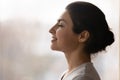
(65, 40)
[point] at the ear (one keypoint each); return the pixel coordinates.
(83, 36)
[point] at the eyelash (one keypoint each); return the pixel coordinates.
(60, 25)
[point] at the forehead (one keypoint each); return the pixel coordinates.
(65, 17)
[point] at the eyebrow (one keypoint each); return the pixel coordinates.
(61, 20)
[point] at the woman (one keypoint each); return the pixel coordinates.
(82, 30)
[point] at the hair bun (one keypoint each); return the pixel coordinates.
(109, 38)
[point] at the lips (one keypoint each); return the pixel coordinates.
(54, 39)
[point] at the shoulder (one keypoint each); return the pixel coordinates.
(82, 78)
(83, 72)
(90, 73)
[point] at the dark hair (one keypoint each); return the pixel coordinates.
(86, 16)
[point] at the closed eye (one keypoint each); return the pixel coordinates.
(60, 25)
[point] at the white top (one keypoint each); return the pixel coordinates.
(85, 71)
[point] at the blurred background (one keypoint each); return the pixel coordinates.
(25, 52)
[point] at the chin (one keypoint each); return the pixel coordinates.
(55, 48)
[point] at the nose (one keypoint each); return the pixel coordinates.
(52, 30)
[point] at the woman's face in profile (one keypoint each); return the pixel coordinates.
(63, 38)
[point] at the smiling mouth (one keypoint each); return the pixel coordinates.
(54, 39)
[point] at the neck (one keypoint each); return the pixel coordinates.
(75, 59)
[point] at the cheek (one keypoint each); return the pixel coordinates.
(66, 41)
